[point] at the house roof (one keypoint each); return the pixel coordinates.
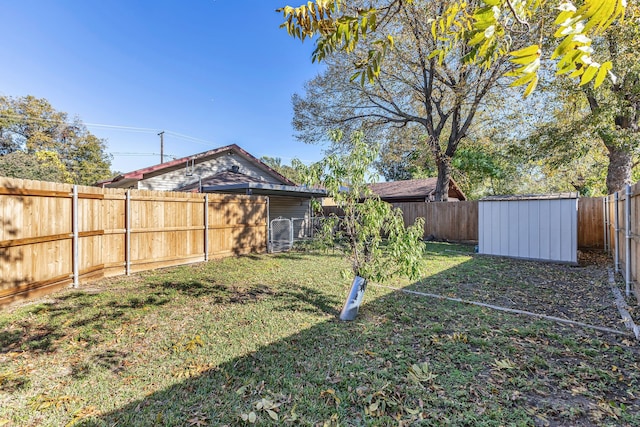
(413, 189)
(222, 178)
(266, 189)
(197, 158)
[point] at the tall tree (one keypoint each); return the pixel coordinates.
(434, 97)
(33, 132)
(591, 130)
(615, 111)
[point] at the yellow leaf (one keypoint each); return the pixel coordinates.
(477, 38)
(577, 72)
(589, 74)
(524, 60)
(602, 73)
(272, 414)
(527, 51)
(531, 87)
(391, 42)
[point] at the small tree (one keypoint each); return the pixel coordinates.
(371, 233)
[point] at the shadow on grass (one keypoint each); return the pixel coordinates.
(478, 367)
(76, 316)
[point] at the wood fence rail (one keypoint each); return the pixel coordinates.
(53, 235)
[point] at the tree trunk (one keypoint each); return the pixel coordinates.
(444, 176)
(619, 171)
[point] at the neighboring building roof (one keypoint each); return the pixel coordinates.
(423, 189)
(161, 168)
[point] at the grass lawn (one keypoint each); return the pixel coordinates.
(256, 339)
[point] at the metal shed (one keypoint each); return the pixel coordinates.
(541, 227)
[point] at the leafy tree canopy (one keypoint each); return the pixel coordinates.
(486, 27)
(39, 142)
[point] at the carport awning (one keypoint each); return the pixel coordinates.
(266, 190)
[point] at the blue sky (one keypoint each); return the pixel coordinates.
(208, 72)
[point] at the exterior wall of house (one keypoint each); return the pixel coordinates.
(291, 207)
(175, 179)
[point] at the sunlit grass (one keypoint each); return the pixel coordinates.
(258, 337)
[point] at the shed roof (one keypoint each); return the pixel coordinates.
(516, 197)
(413, 188)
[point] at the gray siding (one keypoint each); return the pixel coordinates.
(175, 179)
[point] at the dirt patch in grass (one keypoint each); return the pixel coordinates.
(257, 339)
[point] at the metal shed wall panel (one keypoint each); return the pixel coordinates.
(545, 229)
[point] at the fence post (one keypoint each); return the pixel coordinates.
(616, 232)
(627, 209)
(206, 227)
(127, 228)
(269, 249)
(75, 243)
(605, 216)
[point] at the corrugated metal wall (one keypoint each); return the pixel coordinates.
(291, 207)
(545, 229)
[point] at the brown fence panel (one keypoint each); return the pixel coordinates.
(237, 225)
(165, 229)
(453, 221)
(590, 223)
(35, 237)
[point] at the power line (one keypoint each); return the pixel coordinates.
(189, 138)
(125, 154)
(113, 127)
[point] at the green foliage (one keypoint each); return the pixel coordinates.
(291, 172)
(39, 142)
(371, 232)
(486, 28)
(41, 166)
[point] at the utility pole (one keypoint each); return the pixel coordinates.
(161, 134)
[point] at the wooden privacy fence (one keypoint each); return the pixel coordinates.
(54, 234)
(458, 221)
(590, 223)
(622, 226)
(453, 221)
